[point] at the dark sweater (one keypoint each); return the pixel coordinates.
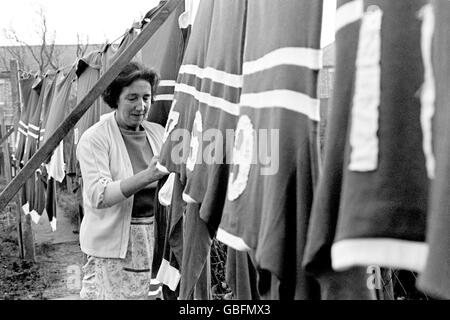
(140, 154)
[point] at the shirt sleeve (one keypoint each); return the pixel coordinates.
(101, 190)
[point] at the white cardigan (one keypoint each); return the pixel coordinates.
(104, 162)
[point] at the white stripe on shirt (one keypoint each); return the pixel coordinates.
(35, 136)
(23, 124)
(287, 99)
(203, 97)
(22, 131)
(33, 127)
(225, 78)
(164, 97)
(167, 83)
(303, 57)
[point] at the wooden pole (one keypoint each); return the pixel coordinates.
(69, 122)
(15, 94)
(29, 249)
(6, 136)
(5, 145)
(5, 75)
(3, 171)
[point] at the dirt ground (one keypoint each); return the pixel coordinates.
(59, 257)
(56, 274)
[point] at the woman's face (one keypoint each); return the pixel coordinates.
(134, 104)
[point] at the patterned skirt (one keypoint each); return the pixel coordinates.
(122, 279)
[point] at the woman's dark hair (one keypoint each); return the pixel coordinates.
(130, 73)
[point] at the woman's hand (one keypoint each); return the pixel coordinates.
(131, 185)
(154, 173)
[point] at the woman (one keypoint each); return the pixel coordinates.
(118, 157)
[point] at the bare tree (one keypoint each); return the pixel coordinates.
(13, 52)
(45, 55)
(82, 46)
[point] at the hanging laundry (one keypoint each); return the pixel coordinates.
(434, 279)
(168, 271)
(241, 275)
(27, 191)
(160, 225)
(35, 189)
(29, 98)
(57, 113)
(187, 19)
(154, 11)
(88, 73)
(196, 264)
(216, 85)
(31, 145)
(69, 146)
(26, 88)
(274, 159)
(50, 201)
(370, 205)
(205, 62)
(46, 194)
(46, 103)
(184, 105)
(111, 52)
(164, 53)
(195, 53)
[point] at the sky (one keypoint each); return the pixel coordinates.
(100, 20)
